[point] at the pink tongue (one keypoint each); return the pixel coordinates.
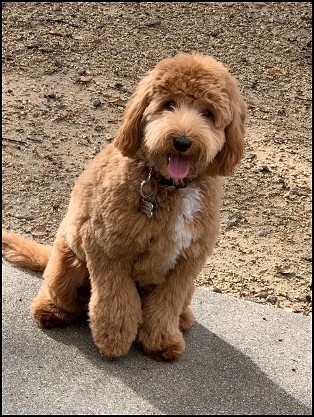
(178, 167)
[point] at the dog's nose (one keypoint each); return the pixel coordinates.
(182, 143)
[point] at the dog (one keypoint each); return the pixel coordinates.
(143, 217)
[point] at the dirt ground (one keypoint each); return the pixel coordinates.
(68, 71)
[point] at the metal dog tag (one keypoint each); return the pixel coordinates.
(148, 203)
(148, 206)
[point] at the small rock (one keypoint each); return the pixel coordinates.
(272, 299)
(235, 220)
(85, 80)
(215, 289)
(96, 149)
(45, 49)
(251, 156)
(306, 298)
(50, 95)
(264, 232)
(262, 294)
(286, 272)
(264, 168)
(97, 103)
(213, 34)
(254, 83)
(154, 22)
(119, 86)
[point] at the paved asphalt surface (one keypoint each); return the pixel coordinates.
(241, 358)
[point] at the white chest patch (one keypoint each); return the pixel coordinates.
(183, 231)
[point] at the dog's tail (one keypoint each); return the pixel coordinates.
(24, 252)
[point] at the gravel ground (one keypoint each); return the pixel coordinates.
(68, 71)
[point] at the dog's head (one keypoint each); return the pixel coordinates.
(185, 119)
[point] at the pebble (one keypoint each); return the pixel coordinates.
(154, 22)
(97, 102)
(272, 299)
(85, 79)
(264, 168)
(263, 232)
(262, 294)
(215, 289)
(46, 49)
(50, 95)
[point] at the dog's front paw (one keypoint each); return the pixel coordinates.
(163, 347)
(112, 340)
(112, 349)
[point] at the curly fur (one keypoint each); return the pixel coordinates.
(134, 275)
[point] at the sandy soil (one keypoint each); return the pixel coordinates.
(68, 70)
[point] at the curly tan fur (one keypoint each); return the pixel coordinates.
(133, 275)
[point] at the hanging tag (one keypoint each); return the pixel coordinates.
(148, 203)
(148, 206)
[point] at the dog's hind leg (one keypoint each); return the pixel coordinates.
(65, 291)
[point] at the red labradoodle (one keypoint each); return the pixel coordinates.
(143, 217)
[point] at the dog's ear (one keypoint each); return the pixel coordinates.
(130, 133)
(232, 151)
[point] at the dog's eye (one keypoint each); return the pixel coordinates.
(207, 113)
(169, 105)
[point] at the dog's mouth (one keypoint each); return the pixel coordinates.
(178, 167)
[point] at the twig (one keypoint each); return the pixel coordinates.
(34, 139)
(22, 142)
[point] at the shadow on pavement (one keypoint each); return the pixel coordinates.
(212, 377)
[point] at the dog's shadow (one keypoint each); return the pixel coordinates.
(212, 377)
